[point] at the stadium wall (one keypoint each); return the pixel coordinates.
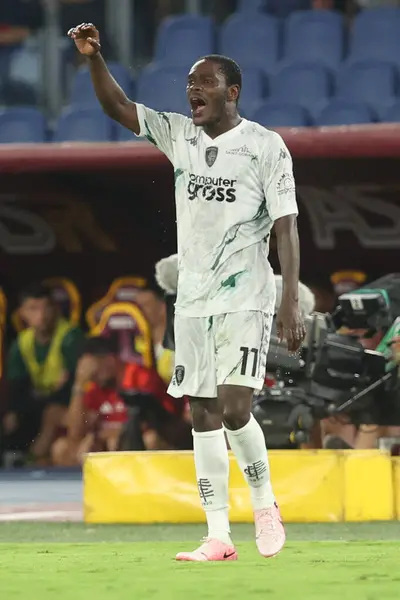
(66, 209)
(310, 486)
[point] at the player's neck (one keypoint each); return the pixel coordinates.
(226, 123)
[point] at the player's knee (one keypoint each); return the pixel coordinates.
(237, 403)
(206, 415)
(236, 416)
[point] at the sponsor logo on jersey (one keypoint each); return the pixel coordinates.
(211, 188)
(211, 155)
(192, 141)
(242, 151)
(286, 184)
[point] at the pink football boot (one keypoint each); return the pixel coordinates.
(270, 533)
(210, 550)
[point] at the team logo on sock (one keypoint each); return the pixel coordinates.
(179, 374)
(211, 155)
(206, 491)
(255, 471)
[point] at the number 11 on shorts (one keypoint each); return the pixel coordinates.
(245, 359)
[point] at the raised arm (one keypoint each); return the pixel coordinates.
(113, 99)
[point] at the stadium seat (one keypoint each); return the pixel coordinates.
(251, 5)
(376, 35)
(82, 91)
(314, 35)
(252, 40)
(309, 84)
(181, 40)
(392, 114)
(21, 126)
(344, 112)
(123, 289)
(280, 114)
(127, 323)
(17, 93)
(253, 90)
(83, 125)
(163, 88)
(283, 8)
(371, 82)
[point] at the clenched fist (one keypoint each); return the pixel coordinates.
(86, 38)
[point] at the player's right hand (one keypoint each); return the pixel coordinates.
(86, 38)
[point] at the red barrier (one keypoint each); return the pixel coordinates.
(96, 212)
(358, 141)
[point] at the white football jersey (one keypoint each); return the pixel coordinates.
(229, 191)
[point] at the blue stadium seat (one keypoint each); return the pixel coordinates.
(82, 92)
(181, 40)
(253, 88)
(283, 8)
(163, 88)
(251, 40)
(17, 93)
(371, 82)
(376, 35)
(21, 126)
(308, 84)
(83, 125)
(251, 5)
(344, 112)
(273, 114)
(392, 114)
(314, 35)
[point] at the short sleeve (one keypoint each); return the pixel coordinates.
(278, 181)
(160, 128)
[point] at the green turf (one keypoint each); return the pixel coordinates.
(77, 562)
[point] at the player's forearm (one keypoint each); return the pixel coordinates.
(289, 256)
(76, 426)
(111, 96)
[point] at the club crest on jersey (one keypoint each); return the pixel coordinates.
(179, 374)
(211, 155)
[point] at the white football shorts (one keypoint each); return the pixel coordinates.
(228, 349)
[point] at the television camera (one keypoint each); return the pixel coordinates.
(345, 369)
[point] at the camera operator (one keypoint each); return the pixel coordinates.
(98, 416)
(339, 434)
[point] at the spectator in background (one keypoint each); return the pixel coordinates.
(98, 414)
(152, 303)
(40, 373)
(18, 19)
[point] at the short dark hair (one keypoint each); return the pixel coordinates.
(100, 345)
(36, 291)
(229, 68)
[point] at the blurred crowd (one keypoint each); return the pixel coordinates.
(67, 393)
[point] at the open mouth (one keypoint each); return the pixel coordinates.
(198, 105)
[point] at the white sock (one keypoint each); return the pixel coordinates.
(248, 445)
(212, 471)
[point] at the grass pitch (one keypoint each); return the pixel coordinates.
(41, 561)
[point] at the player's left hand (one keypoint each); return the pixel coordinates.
(290, 325)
